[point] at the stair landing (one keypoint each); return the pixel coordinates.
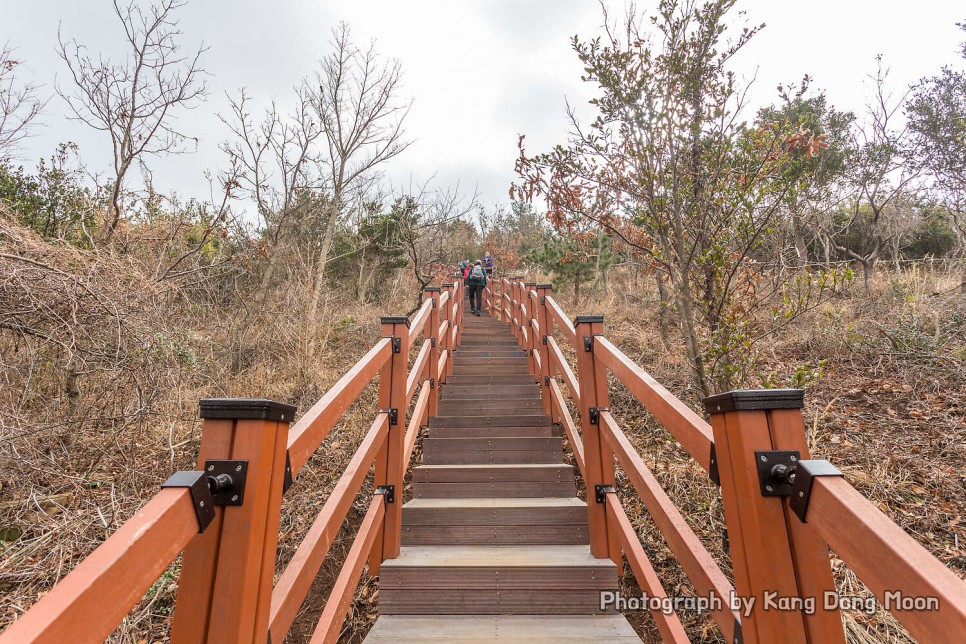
(494, 543)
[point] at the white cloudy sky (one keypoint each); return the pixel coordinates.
(479, 72)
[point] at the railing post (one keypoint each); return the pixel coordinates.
(227, 573)
(504, 299)
(432, 332)
(531, 314)
(772, 553)
(516, 310)
(545, 320)
(599, 457)
(390, 466)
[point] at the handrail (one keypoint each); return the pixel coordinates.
(570, 427)
(96, 595)
(668, 623)
(697, 563)
(329, 625)
(836, 510)
(689, 429)
(560, 363)
(310, 430)
(419, 411)
(419, 320)
(417, 372)
(293, 585)
(561, 319)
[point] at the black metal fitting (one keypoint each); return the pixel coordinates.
(289, 480)
(589, 319)
(546, 381)
(432, 383)
(197, 484)
(246, 409)
(432, 342)
(396, 343)
(601, 492)
(593, 414)
(713, 467)
(589, 343)
(226, 480)
(394, 319)
(755, 400)
(808, 471)
(544, 339)
(777, 471)
(393, 414)
(388, 493)
(738, 637)
(543, 300)
(531, 352)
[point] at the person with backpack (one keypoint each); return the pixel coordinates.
(466, 277)
(488, 263)
(476, 281)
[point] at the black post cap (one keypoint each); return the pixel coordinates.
(588, 319)
(755, 400)
(394, 319)
(448, 284)
(432, 289)
(529, 283)
(247, 408)
(550, 286)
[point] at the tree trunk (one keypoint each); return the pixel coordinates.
(663, 319)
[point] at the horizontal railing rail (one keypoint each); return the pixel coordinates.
(775, 546)
(224, 517)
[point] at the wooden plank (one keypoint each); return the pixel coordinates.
(491, 432)
(517, 420)
(474, 629)
(419, 321)
(496, 489)
(485, 391)
(473, 473)
(559, 363)
(415, 421)
(450, 457)
(418, 371)
(336, 606)
(518, 600)
(887, 559)
(562, 321)
(96, 595)
(693, 557)
(490, 511)
(570, 427)
(688, 428)
(471, 444)
(312, 428)
(668, 624)
(466, 534)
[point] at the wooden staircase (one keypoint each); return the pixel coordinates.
(494, 542)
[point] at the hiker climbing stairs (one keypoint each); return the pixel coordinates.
(494, 541)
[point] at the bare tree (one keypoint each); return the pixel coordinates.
(19, 103)
(882, 174)
(362, 117)
(135, 101)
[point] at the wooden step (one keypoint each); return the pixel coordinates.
(481, 380)
(484, 391)
(490, 432)
(454, 580)
(468, 361)
(461, 354)
(492, 456)
(475, 473)
(496, 512)
(507, 629)
(496, 490)
(513, 420)
(482, 404)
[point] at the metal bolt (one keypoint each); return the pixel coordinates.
(201, 504)
(769, 488)
(234, 497)
(801, 495)
(793, 458)
(764, 458)
(211, 468)
(238, 468)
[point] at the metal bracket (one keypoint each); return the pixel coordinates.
(802, 488)
(393, 414)
(589, 343)
(226, 480)
(776, 471)
(593, 414)
(197, 484)
(432, 342)
(544, 338)
(289, 480)
(531, 352)
(546, 381)
(543, 300)
(388, 493)
(432, 383)
(713, 467)
(396, 343)
(601, 492)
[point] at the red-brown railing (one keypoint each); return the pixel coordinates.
(781, 523)
(249, 457)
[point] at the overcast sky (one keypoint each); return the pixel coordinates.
(479, 72)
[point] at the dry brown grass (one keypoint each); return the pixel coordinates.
(888, 411)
